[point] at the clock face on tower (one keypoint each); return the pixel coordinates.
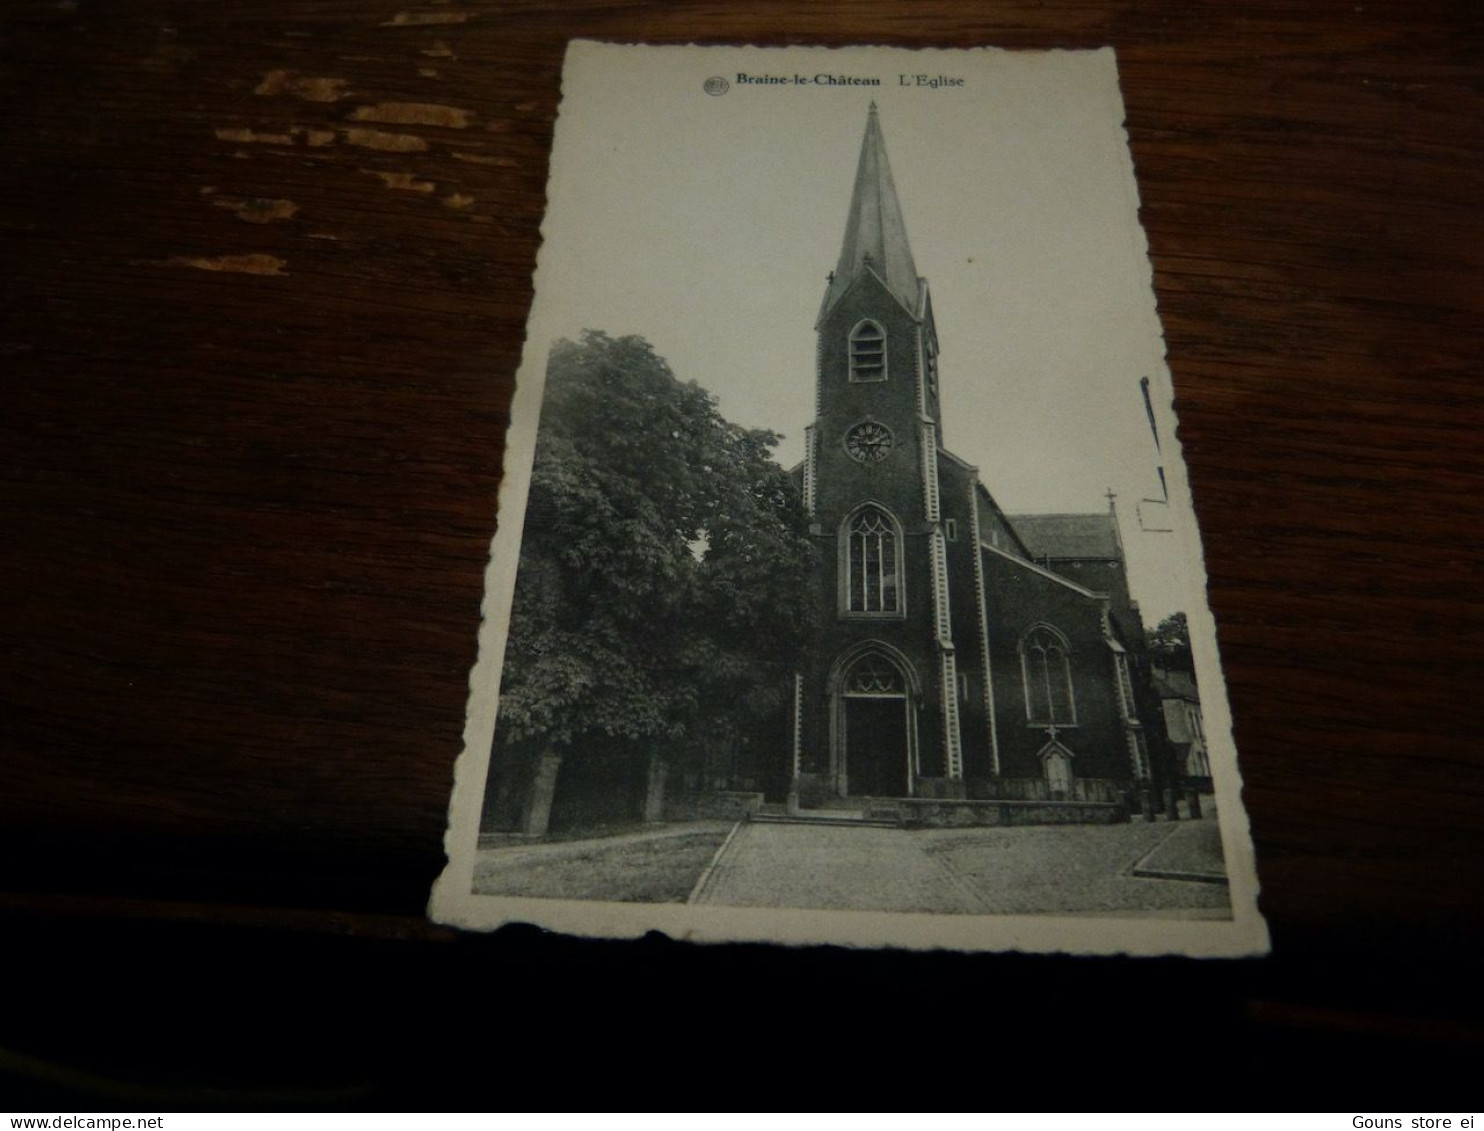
(868, 442)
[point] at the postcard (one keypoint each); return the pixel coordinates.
(847, 586)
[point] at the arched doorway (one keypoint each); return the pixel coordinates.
(875, 747)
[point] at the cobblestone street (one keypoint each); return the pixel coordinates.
(1053, 869)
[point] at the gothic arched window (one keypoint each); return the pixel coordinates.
(872, 563)
(1048, 678)
(868, 352)
(875, 675)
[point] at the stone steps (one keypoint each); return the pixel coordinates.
(834, 818)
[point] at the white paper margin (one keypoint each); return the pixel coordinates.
(452, 900)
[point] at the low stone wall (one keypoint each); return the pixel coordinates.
(937, 788)
(713, 805)
(1039, 789)
(930, 813)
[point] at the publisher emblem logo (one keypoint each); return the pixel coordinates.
(716, 85)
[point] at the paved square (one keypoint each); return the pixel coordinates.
(1054, 869)
(1079, 869)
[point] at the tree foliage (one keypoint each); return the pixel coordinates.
(663, 568)
(1169, 644)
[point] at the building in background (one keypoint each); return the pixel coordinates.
(1180, 703)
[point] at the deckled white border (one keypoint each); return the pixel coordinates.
(452, 901)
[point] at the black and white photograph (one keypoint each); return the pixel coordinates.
(848, 587)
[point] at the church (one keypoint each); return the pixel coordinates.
(962, 665)
(963, 653)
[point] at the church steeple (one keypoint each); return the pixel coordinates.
(875, 235)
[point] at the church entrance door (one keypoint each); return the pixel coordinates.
(876, 747)
(874, 736)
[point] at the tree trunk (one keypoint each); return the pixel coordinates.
(654, 791)
(536, 813)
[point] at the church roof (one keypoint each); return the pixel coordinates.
(989, 552)
(1068, 535)
(875, 234)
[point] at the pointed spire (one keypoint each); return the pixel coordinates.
(875, 234)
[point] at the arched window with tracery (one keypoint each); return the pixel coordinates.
(868, 352)
(872, 675)
(1047, 672)
(872, 572)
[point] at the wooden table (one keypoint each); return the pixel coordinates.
(259, 334)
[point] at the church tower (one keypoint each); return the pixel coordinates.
(958, 653)
(879, 701)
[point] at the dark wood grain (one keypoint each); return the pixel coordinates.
(258, 349)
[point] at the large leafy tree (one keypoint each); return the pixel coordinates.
(663, 570)
(1169, 643)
